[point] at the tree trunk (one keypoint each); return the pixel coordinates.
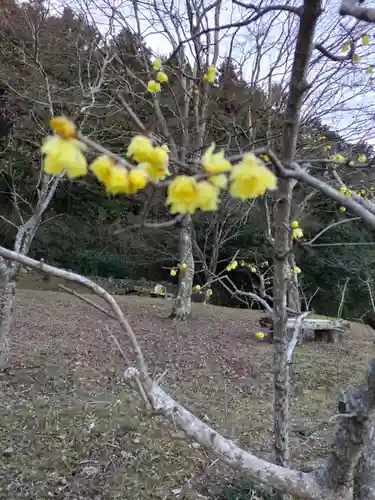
(282, 248)
(364, 479)
(182, 304)
(7, 303)
(294, 299)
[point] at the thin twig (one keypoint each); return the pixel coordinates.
(88, 301)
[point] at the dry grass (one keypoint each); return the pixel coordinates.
(70, 428)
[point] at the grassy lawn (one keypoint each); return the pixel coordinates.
(71, 429)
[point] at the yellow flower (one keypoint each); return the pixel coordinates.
(173, 272)
(210, 75)
(155, 173)
(183, 195)
(259, 335)
(253, 269)
(234, 264)
(101, 167)
(339, 157)
(342, 189)
(197, 288)
(63, 127)
(342, 209)
(117, 181)
(158, 157)
(362, 158)
(297, 233)
(215, 163)
(297, 270)
(220, 181)
(156, 163)
(294, 224)
(140, 148)
(64, 154)
(372, 188)
(346, 46)
(265, 157)
(209, 292)
(153, 86)
(162, 77)
(138, 179)
(251, 178)
(362, 192)
(207, 196)
(183, 266)
(322, 138)
(228, 268)
(370, 82)
(328, 148)
(156, 64)
(365, 39)
(356, 58)
(348, 193)
(369, 70)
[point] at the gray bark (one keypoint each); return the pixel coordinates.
(352, 449)
(304, 46)
(182, 304)
(7, 304)
(364, 479)
(294, 299)
(9, 272)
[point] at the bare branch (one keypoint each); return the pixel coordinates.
(351, 8)
(296, 333)
(261, 471)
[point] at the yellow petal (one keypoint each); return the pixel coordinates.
(207, 196)
(137, 180)
(156, 64)
(52, 165)
(79, 166)
(162, 77)
(365, 39)
(118, 181)
(220, 181)
(63, 127)
(140, 148)
(101, 167)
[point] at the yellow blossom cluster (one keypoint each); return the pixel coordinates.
(153, 159)
(232, 266)
(345, 191)
(297, 232)
(346, 46)
(161, 77)
(294, 270)
(210, 75)
(179, 267)
(248, 179)
(186, 194)
(199, 289)
(259, 335)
